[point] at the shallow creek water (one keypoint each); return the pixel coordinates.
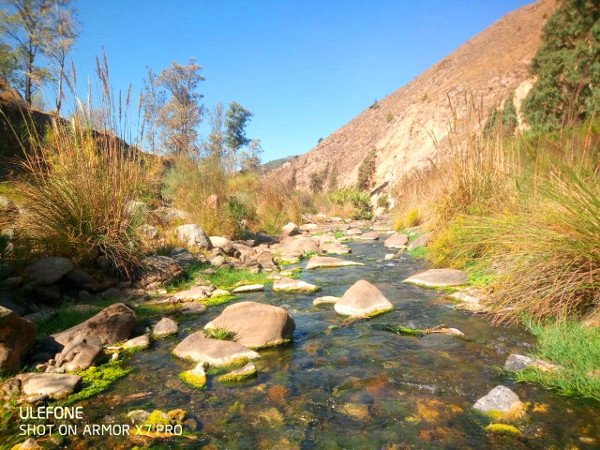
(354, 387)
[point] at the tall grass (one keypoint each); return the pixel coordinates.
(525, 207)
(79, 185)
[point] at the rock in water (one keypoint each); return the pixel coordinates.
(438, 278)
(326, 300)
(138, 343)
(165, 327)
(396, 240)
(196, 347)
(49, 270)
(256, 325)
(249, 288)
(362, 300)
(500, 399)
(41, 385)
(111, 325)
(246, 372)
(517, 363)
(192, 235)
(17, 335)
(317, 262)
(294, 286)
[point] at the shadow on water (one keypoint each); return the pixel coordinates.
(355, 386)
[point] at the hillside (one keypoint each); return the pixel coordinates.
(403, 127)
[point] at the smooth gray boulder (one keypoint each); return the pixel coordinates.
(49, 270)
(165, 327)
(363, 299)
(255, 325)
(439, 278)
(217, 353)
(192, 235)
(500, 399)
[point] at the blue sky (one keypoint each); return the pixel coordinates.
(304, 68)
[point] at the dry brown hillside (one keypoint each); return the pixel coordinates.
(403, 127)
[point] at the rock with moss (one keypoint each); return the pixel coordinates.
(288, 285)
(242, 374)
(164, 327)
(420, 241)
(326, 300)
(217, 353)
(318, 262)
(255, 325)
(499, 401)
(439, 278)
(195, 377)
(137, 343)
(249, 288)
(363, 299)
(39, 386)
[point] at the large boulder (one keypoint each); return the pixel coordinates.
(300, 245)
(256, 325)
(215, 352)
(362, 300)
(192, 235)
(318, 262)
(158, 269)
(41, 385)
(17, 335)
(396, 240)
(439, 278)
(49, 270)
(111, 325)
(77, 356)
(165, 327)
(500, 399)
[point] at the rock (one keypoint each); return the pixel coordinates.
(335, 247)
(249, 288)
(182, 257)
(49, 270)
(370, 236)
(468, 301)
(80, 279)
(290, 229)
(111, 325)
(158, 269)
(362, 300)
(138, 416)
(298, 246)
(354, 232)
(164, 327)
(170, 215)
(294, 286)
(448, 331)
(195, 377)
(517, 363)
(138, 343)
(317, 262)
(41, 315)
(219, 293)
(17, 335)
(389, 256)
(223, 243)
(326, 300)
(43, 385)
(218, 261)
(358, 411)
(500, 399)
(255, 325)
(29, 444)
(76, 356)
(192, 308)
(396, 240)
(192, 235)
(421, 241)
(246, 372)
(217, 353)
(309, 227)
(592, 321)
(195, 293)
(438, 278)
(116, 294)
(149, 231)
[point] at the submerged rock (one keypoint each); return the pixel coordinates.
(196, 347)
(317, 262)
(17, 335)
(294, 286)
(326, 300)
(500, 399)
(255, 325)
(438, 278)
(363, 300)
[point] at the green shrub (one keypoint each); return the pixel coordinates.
(366, 171)
(359, 201)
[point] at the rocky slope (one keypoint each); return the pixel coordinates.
(409, 127)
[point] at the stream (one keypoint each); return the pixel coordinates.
(353, 387)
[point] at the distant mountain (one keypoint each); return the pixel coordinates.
(409, 127)
(274, 164)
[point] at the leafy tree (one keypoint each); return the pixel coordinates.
(39, 30)
(173, 108)
(251, 156)
(567, 66)
(236, 120)
(503, 121)
(8, 65)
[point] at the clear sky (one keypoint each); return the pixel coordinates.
(304, 67)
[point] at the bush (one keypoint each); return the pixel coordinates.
(366, 171)
(358, 202)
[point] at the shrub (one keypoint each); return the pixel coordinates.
(317, 180)
(358, 202)
(366, 171)
(383, 201)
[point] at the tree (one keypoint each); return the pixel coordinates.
(8, 65)
(251, 157)
(567, 66)
(236, 119)
(39, 29)
(215, 145)
(149, 101)
(173, 108)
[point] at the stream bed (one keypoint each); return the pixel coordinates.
(352, 387)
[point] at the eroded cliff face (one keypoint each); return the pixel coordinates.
(410, 127)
